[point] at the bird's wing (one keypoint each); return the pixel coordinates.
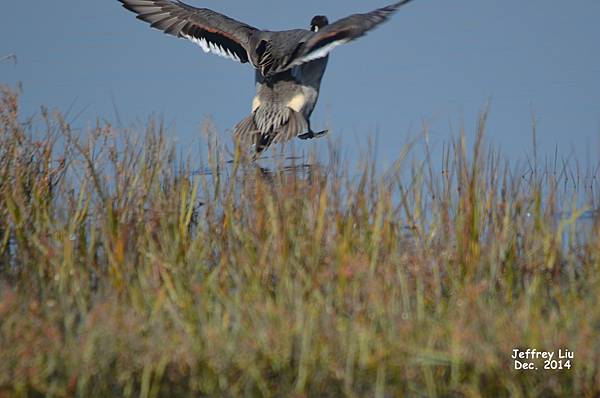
(213, 32)
(321, 43)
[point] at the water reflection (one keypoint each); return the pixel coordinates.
(268, 167)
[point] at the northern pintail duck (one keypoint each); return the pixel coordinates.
(289, 64)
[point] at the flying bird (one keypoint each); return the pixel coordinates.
(289, 64)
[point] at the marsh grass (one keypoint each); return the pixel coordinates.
(123, 272)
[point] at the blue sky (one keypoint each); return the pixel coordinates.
(436, 62)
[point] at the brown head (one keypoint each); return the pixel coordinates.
(318, 22)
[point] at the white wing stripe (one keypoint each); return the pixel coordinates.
(212, 47)
(321, 52)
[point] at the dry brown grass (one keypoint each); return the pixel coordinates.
(122, 273)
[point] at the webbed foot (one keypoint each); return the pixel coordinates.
(311, 134)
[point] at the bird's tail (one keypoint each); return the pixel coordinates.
(296, 125)
(247, 133)
(245, 130)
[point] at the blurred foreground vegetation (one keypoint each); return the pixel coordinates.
(125, 273)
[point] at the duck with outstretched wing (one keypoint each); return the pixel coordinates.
(289, 64)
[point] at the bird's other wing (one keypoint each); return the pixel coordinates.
(321, 43)
(213, 32)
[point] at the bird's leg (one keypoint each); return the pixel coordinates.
(311, 134)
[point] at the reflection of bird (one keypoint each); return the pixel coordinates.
(289, 64)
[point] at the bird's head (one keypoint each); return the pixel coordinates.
(318, 22)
